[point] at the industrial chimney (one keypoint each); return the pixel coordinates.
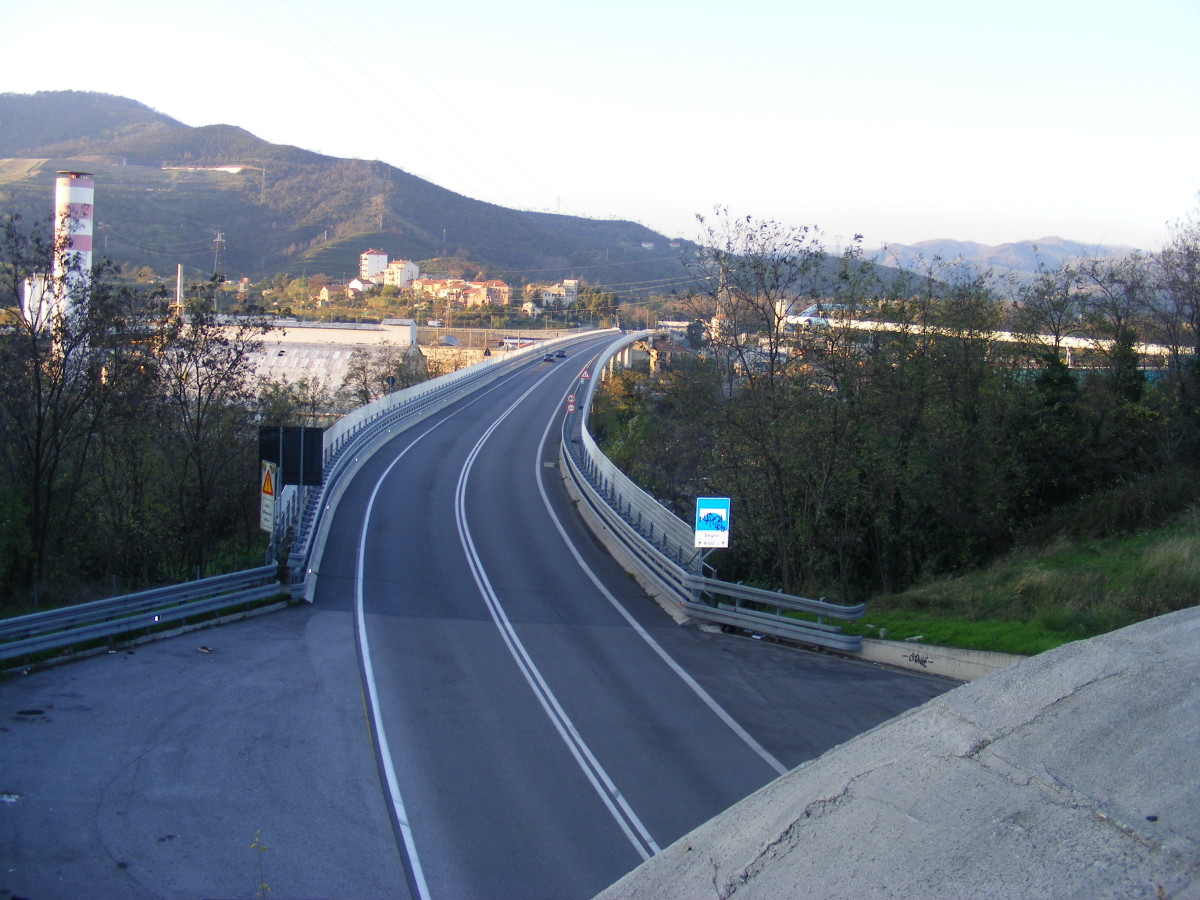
(72, 265)
(74, 193)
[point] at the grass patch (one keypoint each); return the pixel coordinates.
(1026, 638)
(1039, 599)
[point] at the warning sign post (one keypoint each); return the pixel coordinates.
(266, 506)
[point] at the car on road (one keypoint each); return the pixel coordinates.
(547, 358)
(561, 354)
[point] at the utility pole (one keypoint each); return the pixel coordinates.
(218, 243)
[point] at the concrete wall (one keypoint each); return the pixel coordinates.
(961, 665)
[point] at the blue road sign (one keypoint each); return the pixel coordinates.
(712, 522)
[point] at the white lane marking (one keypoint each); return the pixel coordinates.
(389, 769)
(601, 783)
(691, 682)
(393, 783)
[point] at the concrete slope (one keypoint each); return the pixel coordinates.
(1071, 774)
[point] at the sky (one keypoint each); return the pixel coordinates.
(902, 122)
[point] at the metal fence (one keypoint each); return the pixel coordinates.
(660, 545)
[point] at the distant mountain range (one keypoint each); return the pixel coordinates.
(217, 197)
(1019, 260)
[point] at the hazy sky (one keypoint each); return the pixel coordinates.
(902, 121)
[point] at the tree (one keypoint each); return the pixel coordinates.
(1116, 293)
(598, 305)
(1176, 305)
(207, 376)
(60, 368)
(379, 370)
(782, 432)
(305, 402)
(1050, 306)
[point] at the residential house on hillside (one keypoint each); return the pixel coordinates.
(439, 288)
(487, 293)
(372, 264)
(566, 292)
(663, 349)
(400, 273)
(350, 291)
(468, 293)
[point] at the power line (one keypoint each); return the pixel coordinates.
(611, 265)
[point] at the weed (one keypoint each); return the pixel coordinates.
(261, 848)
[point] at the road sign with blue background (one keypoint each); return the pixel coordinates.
(712, 522)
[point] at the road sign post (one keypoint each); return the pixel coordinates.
(266, 506)
(712, 522)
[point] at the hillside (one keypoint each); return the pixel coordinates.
(160, 201)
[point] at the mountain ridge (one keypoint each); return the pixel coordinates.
(161, 198)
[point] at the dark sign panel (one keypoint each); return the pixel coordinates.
(296, 449)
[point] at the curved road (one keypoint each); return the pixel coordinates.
(541, 727)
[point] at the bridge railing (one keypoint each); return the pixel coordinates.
(347, 441)
(651, 540)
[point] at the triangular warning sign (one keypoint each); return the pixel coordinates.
(267, 488)
(584, 374)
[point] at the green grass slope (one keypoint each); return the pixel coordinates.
(1038, 599)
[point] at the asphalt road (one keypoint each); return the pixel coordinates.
(478, 704)
(543, 738)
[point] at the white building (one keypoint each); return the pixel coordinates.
(372, 264)
(401, 273)
(404, 329)
(565, 292)
(570, 291)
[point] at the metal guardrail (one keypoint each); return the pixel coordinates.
(659, 544)
(349, 439)
(56, 629)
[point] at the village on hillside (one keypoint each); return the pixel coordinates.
(376, 272)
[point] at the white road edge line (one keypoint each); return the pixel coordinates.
(700, 692)
(410, 847)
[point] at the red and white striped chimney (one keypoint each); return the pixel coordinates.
(74, 193)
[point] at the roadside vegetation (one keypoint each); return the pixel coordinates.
(1004, 492)
(1037, 599)
(129, 426)
(129, 431)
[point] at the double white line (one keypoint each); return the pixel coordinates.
(601, 783)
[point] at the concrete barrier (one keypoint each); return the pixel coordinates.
(950, 662)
